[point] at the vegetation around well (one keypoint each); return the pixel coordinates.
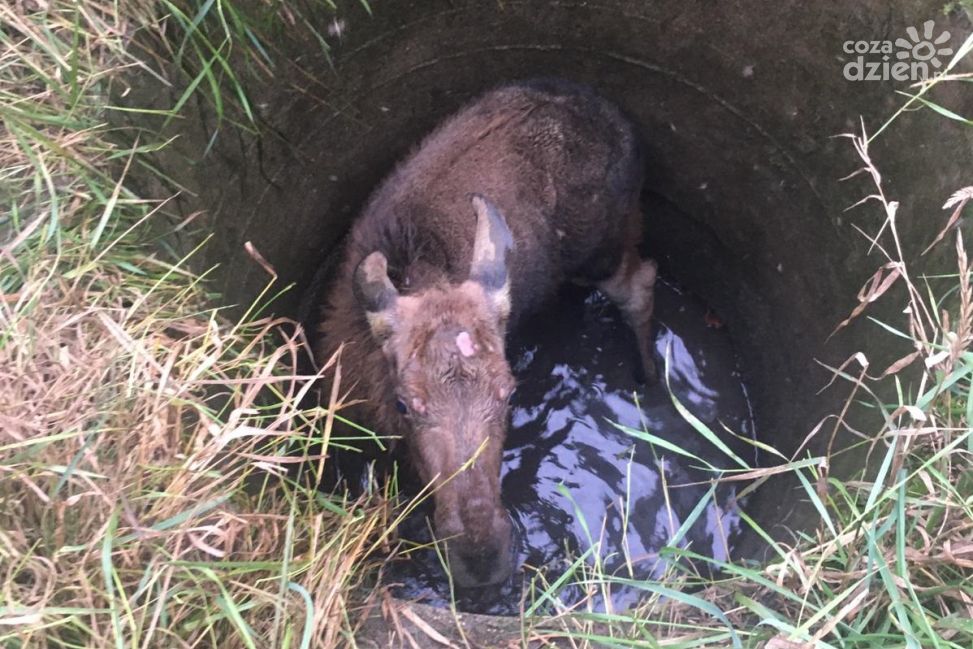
(147, 439)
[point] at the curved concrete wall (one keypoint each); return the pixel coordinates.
(736, 101)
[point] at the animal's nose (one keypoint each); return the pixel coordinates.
(479, 537)
(483, 567)
(475, 568)
(484, 563)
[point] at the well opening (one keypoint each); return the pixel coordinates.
(737, 109)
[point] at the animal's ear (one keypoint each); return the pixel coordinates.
(490, 247)
(375, 293)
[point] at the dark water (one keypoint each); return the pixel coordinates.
(576, 483)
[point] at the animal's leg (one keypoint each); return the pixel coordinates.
(632, 289)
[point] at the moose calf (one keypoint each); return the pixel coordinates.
(425, 294)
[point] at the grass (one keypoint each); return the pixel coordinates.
(146, 439)
(144, 491)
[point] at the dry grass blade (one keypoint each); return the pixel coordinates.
(880, 282)
(958, 201)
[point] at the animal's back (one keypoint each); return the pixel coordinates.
(562, 165)
(529, 185)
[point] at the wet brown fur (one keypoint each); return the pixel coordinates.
(563, 167)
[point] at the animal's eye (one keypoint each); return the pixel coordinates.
(401, 407)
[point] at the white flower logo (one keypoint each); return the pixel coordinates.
(923, 49)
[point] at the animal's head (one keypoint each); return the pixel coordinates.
(445, 348)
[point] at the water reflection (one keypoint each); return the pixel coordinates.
(575, 482)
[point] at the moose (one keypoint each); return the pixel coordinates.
(425, 294)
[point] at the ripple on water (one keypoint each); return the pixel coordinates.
(576, 483)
